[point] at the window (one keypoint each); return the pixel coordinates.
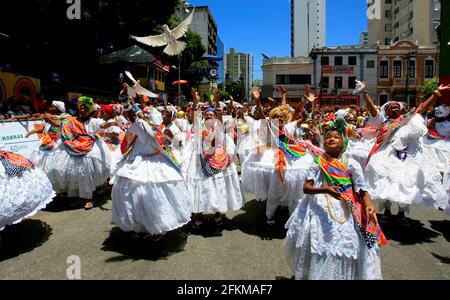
(387, 27)
(384, 69)
(338, 60)
(397, 69)
(388, 14)
(387, 41)
(388, 1)
(410, 31)
(352, 60)
(429, 69)
(338, 82)
(370, 64)
(412, 69)
(384, 99)
(293, 79)
(352, 82)
(325, 82)
(325, 61)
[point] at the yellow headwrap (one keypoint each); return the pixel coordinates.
(87, 102)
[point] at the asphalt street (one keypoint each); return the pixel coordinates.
(39, 247)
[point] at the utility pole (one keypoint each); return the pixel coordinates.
(408, 59)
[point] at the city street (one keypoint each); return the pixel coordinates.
(38, 248)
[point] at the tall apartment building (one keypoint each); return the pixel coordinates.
(308, 26)
(364, 38)
(394, 20)
(204, 24)
(239, 66)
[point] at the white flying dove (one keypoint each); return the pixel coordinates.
(169, 37)
(137, 88)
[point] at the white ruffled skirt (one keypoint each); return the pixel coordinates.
(318, 248)
(261, 178)
(23, 196)
(150, 195)
(79, 176)
(410, 182)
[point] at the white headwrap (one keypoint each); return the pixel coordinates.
(155, 117)
(342, 113)
(385, 106)
(59, 105)
(442, 111)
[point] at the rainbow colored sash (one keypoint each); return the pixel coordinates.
(435, 135)
(338, 174)
(388, 130)
(77, 141)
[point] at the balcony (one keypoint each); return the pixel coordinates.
(402, 82)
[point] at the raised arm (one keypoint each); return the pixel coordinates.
(423, 108)
(217, 104)
(369, 101)
(195, 97)
(256, 93)
(282, 91)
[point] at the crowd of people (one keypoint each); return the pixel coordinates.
(169, 165)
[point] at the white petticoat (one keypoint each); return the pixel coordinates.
(149, 195)
(79, 177)
(260, 178)
(23, 196)
(437, 152)
(411, 181)
(318, 248)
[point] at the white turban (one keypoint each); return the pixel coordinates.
(442, 111)
(59, 105)
(155, 117)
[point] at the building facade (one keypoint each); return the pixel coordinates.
(402, 69)
(205, 25)
(239, 67)
(364, 38)
(308, 26)
(293, 73)
(336, 69)
(394, 20)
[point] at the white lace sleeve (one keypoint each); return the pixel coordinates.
(377, 120)
(313, 172)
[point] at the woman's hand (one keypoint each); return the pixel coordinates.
(333, 191)
(371, 214)
(256, 93)
(442, 88)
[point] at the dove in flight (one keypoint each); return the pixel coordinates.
(137, 89)
(169, 38)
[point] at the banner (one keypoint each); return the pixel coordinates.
(12, 136)
(16, 85)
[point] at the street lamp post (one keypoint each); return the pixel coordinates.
(408, 58)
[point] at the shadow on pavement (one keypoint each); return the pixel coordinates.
(253, 221)
(443, 259)
(63, 203)
(133, 248)
(407, 231)
(443, 227)
(23, 237)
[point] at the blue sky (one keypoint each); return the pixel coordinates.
(263, 26)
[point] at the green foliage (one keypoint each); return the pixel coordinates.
(429, 86)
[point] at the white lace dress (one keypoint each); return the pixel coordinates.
(446, 182)
(319, 248)
(149, 194)
(261, 178)
(22, 196)
(437, 151)
(211, 194)
(114, 144)
(39, 156)
(409, 181)
(80, 176)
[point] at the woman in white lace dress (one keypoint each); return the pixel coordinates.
(24, 188)
(327, 239)
(209, 168)
(276, 168)
(149, 194)
(81, 163)
(397, 169)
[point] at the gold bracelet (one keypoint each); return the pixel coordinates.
(437, 93)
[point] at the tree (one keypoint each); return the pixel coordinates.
(429, 86)
(235, 89)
